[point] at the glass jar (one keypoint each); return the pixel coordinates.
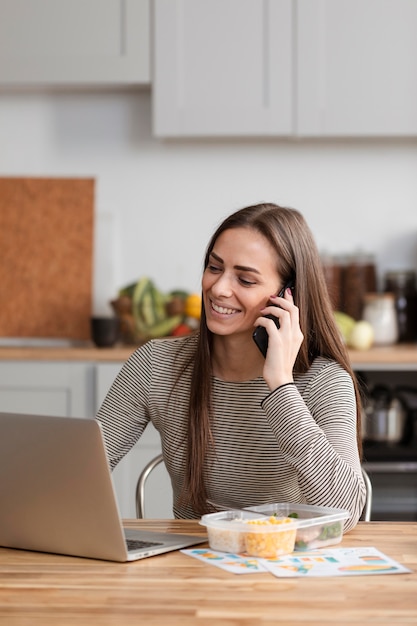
(359, 278)
(403, 285)
(379, 311)
(332, 268)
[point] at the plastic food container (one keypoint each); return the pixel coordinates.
(317, 526)
(248, 532)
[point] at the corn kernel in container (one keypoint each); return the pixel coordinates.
(270, 543)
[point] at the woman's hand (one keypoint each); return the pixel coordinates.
(283, 343)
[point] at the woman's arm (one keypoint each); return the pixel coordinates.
(123, 413)
(315, 426)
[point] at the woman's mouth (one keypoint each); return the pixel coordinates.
(222, 310)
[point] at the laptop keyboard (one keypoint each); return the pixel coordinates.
(137, 544)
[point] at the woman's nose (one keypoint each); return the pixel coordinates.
(222, 286)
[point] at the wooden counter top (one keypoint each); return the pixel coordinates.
(173, 589)
(87, 353)
(398, 356)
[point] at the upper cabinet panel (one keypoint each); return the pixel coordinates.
(222, 68)
(356, 68)
(57, 42)
(306, 68)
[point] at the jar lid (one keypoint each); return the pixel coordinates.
(401, 277)
(372, 296)
(395, 273)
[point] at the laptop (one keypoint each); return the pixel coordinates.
(57, 493)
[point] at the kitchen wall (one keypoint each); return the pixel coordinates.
(157, 202)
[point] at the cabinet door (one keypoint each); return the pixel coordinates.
(222, 67)
(158, 492)
(356, 68)
(81, 41)
(62, 389)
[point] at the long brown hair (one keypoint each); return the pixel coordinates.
(298, 260)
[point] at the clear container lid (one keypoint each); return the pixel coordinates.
(237, 520)
(302, 516)
(307, 514)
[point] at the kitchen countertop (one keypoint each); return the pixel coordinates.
(77, 353)
(400, 355)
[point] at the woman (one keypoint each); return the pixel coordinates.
(238, 428)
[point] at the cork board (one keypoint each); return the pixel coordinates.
(46, 240)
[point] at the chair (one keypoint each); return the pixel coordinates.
(140, 485)
(366, 513)
(150, 466)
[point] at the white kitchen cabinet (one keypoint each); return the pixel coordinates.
(47, 388)
(57, 42)
(77, 389)
(222, 67)
(158, 493)
(356, 68)
(294, 68)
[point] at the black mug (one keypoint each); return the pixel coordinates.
(105, 331)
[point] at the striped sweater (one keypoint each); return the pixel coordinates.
(296, 444)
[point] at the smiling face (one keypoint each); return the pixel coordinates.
(240, 277)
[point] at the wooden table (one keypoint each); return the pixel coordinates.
(51, 590)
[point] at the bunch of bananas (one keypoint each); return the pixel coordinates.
(150, 311)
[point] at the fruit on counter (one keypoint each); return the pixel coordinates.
(146, 312)
(345, 324)
(181, 330)
(193, 306)
(175, 305)
(176, 302)
(150, 311)
(148, 304)
(357, 335)
(123, 304)
(128, 290)
(163, 328)
(179, 293)
(361, 336)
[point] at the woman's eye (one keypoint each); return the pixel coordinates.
(213, 268)
(246, 282)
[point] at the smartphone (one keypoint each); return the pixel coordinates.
(260, 334)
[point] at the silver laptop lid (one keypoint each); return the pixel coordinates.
(56, 491)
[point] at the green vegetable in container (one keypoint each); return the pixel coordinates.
(330, 531)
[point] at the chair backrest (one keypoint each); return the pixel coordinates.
(140, 485)
(367, 510)
(149, 467)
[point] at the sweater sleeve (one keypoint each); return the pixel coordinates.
(317, 436)
(123, 413)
